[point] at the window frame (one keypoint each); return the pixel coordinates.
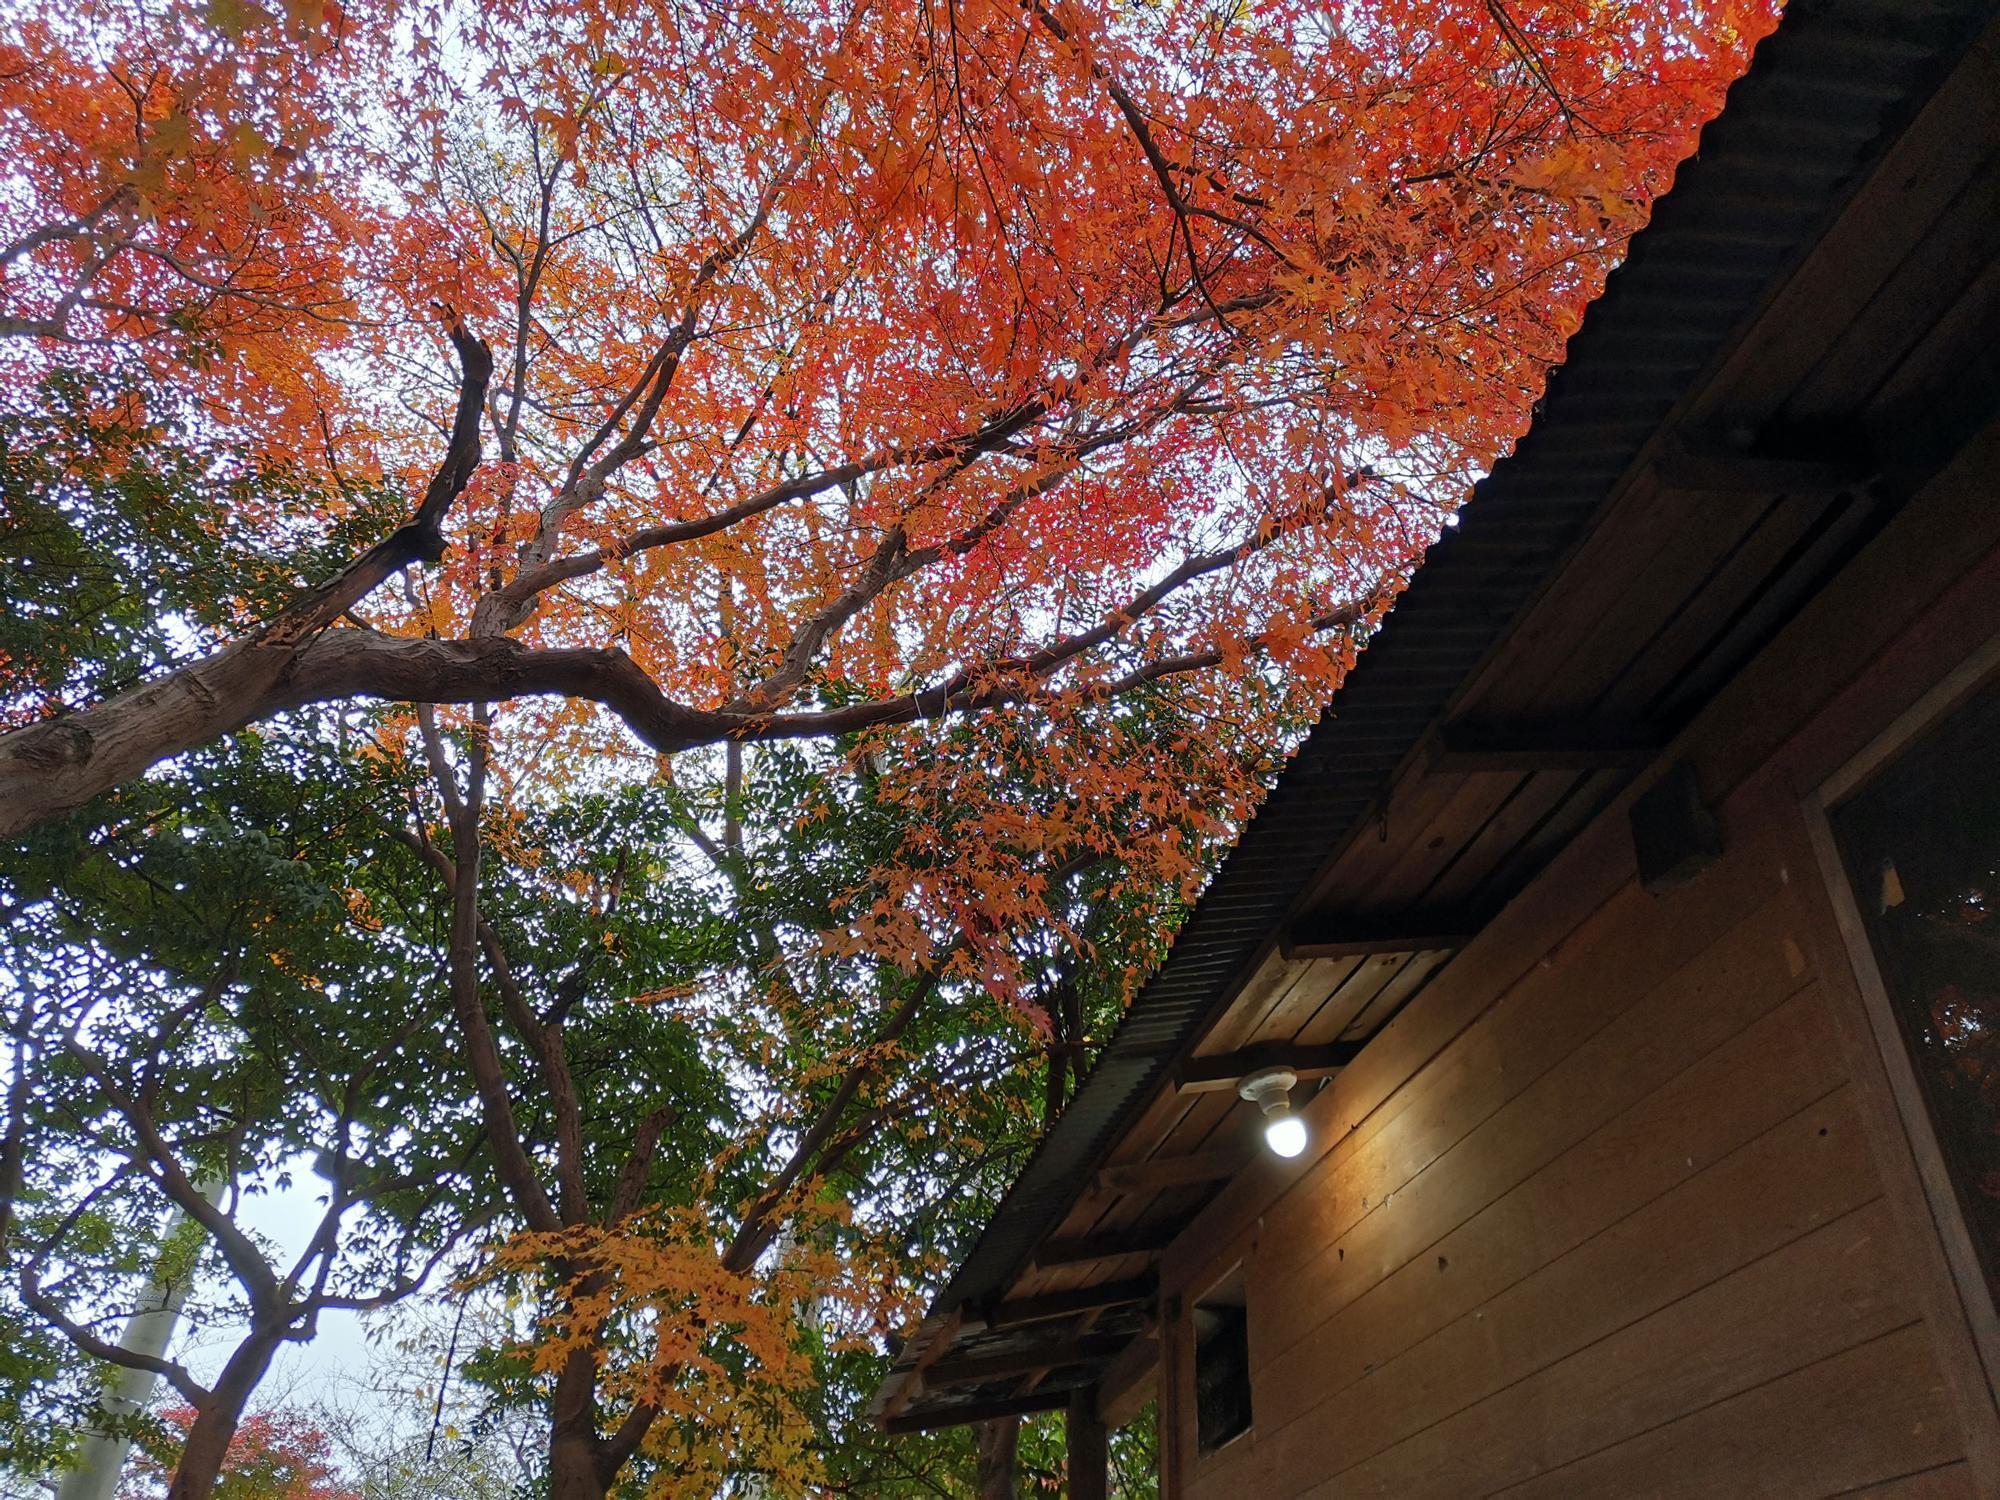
(1975, 1294)
(1234, 1282)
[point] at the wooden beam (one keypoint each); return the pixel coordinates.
(1143, 1239)
(1126, 1384)
(1338, 937)
(1066, 1304)
(976, 1411)
(1089, 1451)
(1167, 1172)
(1078, 1329)
(978, 1369)
(1214, 1075)
(940, 1339)
(1467, 747)
(1697, 466)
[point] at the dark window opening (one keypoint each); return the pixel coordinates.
(1921, 841)
(1221, 1366)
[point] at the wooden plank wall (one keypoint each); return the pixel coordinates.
(1621, 1205)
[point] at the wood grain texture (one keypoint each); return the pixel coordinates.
(1871, 1413)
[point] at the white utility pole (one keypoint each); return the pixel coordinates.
(148, 1331)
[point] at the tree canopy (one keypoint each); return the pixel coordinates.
(778, 372)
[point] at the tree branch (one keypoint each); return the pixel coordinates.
(489, 1074)
(47, 769)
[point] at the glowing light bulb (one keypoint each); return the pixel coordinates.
(1270, 1089)
(1286, 1135)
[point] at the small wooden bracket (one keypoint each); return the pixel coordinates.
(1674, 832)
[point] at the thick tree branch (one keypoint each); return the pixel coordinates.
(63, 763)
(47, 1308)
(47, 769)
(639, 1161)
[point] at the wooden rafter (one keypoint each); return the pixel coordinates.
(1343, 937)
(978, 1369)
(1209, 1075)
(1167, 1172)
(1141, 1239)
(941, 1339)
(1049, 1305)
(1701, 466)
(978, 1411)
(1470, 746)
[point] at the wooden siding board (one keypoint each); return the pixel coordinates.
(1921, 173)
(1413, 972)
(1554, 832)
(1959, 349)
(1631, 579)
(1952, 1481)
(1428, 852)
(1817, 555)
(1532, 802)
(1868, 1413)
(1815, 1297)
(1349, 882)
(1911, 300)
(1406, 1416)
(1653, 1088)
(1757, 556)
(1474, 1069)
(1939, 550)
(1342, 1008)
(1455, 1279)
(1327, 982)
(1304, 984)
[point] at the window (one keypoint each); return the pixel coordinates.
(1221, 1366)
(1921, 844)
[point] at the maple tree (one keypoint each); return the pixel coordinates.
(819, 366)
(276, 1455)
(229, 913)
(868, 1090)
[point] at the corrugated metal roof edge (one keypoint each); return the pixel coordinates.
(1831, 54)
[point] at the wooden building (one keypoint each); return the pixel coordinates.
(1629, 923)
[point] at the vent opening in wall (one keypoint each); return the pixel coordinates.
(1221, 1365)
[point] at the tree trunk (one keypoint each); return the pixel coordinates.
(215, 1422)
(997, 1440)
(576, 1470)
(573, 1468)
